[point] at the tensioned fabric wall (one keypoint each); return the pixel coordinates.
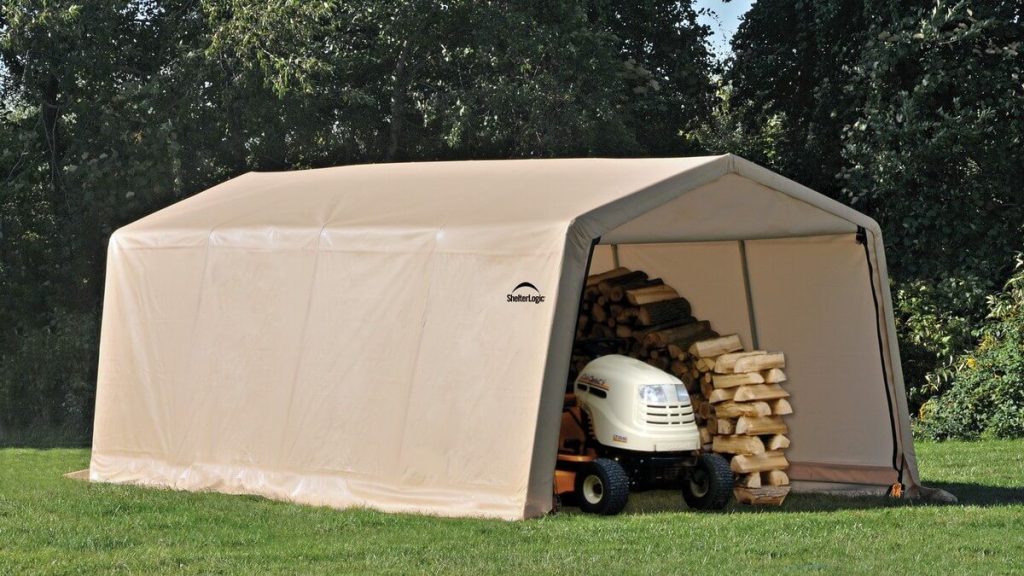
(342, 336)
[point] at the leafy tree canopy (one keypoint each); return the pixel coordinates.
(112, 109)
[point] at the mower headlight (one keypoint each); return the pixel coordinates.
(664, 394)
(681, 395)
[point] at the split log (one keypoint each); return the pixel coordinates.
(762, 392)
(744, 463)
(738, 445)
(753, 425)
(723, 394)
(778, 442)
(605, 286)
(662, 338)
(764, 495)
(781, 407)
(627, 315)
(706, 388)
(730, 409)
(599, 314)
(618, 292)
(595, 279)
(641, 296)
(751, 480)
(678, 368)
(623, 331)
(663, 311)
(760, 362)
(776, 478)
(684, 343)
(733, 380)
(640, 333)
(705, 364)
(659, 363)
(774, 376)
(725, 363)
(717, 346)
(705, 437)
(678, 352)
(725, 425)
(689, 382)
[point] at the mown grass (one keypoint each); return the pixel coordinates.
(49, 524)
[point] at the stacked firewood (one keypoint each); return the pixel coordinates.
(625, 312)
(747, 405)
(736, 397)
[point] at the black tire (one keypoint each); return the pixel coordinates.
(708, 485)
(602, 487)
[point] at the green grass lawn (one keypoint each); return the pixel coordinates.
(49, 524)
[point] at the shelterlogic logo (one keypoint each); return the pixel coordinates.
(525, 292)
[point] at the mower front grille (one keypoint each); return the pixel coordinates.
(668, 414)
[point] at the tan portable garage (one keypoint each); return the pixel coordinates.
(345, 336)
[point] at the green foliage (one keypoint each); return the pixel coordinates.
(725, 131)
(937, 153)
(427, 80)
(791, 65)
(936, 321)
(668, 70)
(40, 391)
(936, 156)
(912, 112)
(112, 109)
(986, 392)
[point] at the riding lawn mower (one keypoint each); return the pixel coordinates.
(628, 426)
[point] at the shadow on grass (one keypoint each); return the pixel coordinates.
(669, 501)
(980, 494)
(665, 501)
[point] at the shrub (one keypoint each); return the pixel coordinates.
(46, 377)
(936, 320)
(986, 391)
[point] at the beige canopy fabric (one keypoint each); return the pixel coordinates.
(362, 335)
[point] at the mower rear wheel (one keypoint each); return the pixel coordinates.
(708, 485)
(602, 487)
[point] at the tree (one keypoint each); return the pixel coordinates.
(112, 109)
(792, 64)
(937, 150)
(936, 156)
(668, 70)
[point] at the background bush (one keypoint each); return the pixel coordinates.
(986, 389)
(936, 321)
(48, 378)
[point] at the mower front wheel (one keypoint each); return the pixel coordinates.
(602, 487)
(708, 485)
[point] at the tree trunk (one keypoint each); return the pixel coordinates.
(398, 97)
